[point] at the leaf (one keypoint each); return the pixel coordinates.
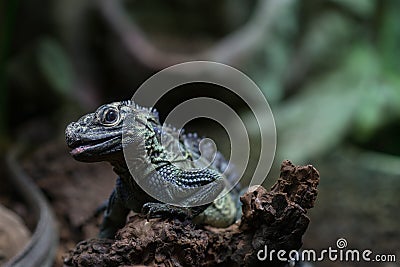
(319, 117)
(380, 96)
(326, 39)
(390, 37)
(360, 7)
(315, 121)
(55, 66)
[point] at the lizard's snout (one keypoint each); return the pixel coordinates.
(71, 136)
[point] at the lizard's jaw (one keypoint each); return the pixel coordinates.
(95, 150)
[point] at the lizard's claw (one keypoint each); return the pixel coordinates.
(161, 210)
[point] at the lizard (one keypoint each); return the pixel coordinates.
(102, 136)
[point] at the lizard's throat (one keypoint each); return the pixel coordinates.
(120, 168)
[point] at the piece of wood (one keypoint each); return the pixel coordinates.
(276, 220)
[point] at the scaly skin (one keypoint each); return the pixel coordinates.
(98, 137)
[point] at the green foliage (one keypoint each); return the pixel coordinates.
(326, 39)
(380, 96)
(360, 7)
(55, 65)
(389, 40)
(355, 99)
(319, 117)
(346, 84)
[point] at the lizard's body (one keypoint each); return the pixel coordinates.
(99, 136)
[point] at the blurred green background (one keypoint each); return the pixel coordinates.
(329, 69)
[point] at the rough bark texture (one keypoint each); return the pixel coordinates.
(276, 219)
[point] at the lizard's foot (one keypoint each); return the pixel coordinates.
(162, 210)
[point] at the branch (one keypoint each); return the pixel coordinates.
(228, 50)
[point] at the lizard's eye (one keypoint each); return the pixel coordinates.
(110, 116)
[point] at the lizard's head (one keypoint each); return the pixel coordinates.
(98, 135)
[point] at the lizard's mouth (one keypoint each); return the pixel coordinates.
(94, 148)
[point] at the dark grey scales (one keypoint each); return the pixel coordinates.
(98, 137)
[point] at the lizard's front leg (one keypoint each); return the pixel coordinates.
(114, 216)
